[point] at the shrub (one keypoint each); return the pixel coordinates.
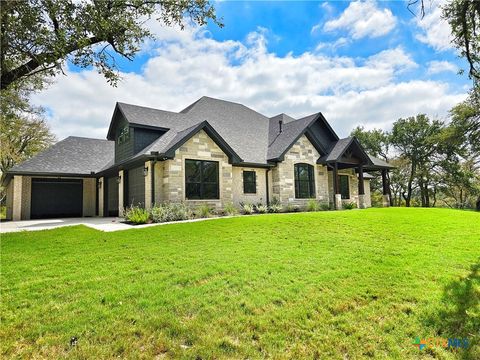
(349, 206)
(171, 212)
(275, 201)
(203, 211)
(230, 209)
(292, 208)
(312, 205)
(275, 208)
(262, 209)
(324, 206)
(136, 215)
(247, 208)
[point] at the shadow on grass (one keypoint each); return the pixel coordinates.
(459, 316)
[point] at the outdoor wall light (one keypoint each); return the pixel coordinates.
(99, 184)
(119, 179)
(145, 171)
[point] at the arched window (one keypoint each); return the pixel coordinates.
(304, 181)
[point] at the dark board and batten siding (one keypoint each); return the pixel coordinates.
(144, 137)
(135, 187)
(112, 196)
(125, 149)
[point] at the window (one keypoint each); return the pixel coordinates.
(201, 179)
(249, 182)
(304, 181)
(344, 187)
(124, 135)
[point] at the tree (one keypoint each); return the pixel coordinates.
(23, 130)
(376, 143)
(414, 139)
(464, 19)
(37, 36)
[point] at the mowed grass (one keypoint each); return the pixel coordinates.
(346, 285)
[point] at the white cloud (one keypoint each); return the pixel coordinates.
(396, 59)
(363, 19)
(187, 66)
(435, 67)
(435, 31)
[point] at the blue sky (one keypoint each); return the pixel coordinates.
(360, 63)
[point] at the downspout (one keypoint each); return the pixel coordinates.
(266, 184)
(152, 166)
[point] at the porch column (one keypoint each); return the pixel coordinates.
(17, 198)
(337, 200)
(361, 188)
(121, 192)
(386, 197)
(101, 196)
(148, 184)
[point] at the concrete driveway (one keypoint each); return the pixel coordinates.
(99, 223)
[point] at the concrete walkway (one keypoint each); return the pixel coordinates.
(99, 223)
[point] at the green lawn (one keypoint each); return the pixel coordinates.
(344, 285)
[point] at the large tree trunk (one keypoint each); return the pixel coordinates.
(409, 186)
(478, 204)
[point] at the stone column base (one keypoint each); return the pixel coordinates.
(386, 201)
(361, 202)
(338, 202)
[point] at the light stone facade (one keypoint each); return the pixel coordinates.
(89, 196)
(261, 185)
(199, 147)
(169, 181)
(283, 181)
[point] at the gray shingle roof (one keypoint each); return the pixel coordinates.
(380, 163)
(247, 135)
(280, 142)
(245, 130)
(73, 155)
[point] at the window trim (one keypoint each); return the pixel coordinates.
(343, 196)
(124, 135)
(310, 181)
(250, 182)
(201, 198)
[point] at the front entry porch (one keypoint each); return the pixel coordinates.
(348, 158)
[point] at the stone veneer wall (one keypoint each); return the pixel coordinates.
(198, 147)
(283, 181)
(89, 199)
(9, 200)
(239, 196)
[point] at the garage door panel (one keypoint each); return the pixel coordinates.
(56, 198)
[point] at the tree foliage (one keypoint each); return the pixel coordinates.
(464, 19)
(23, 130)
(37, 36)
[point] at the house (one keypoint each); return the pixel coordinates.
(213, 152)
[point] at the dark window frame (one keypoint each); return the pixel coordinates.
(344, 191)
(250, 187)
(201, 184)
(301, 184)
(124, 134)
